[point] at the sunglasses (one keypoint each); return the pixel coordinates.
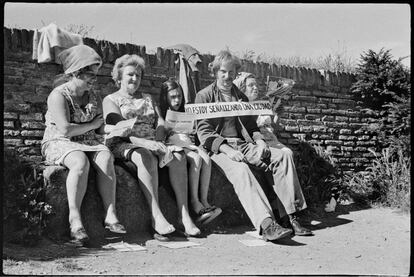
(88, 74)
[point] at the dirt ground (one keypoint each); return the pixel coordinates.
(351, 240)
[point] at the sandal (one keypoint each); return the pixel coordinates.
(162, 238)
(215, 213)
(195, 235)
(115, 228)
(79, 236)
(204, 214)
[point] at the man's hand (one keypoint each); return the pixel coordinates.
(233, 154)
(265, 149)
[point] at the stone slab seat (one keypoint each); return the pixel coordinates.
(132, 207)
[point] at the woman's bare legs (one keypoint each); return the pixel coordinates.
(147, 164)
(205, 176)
(76, 183)
(194, 167)
(103, 163)
(178, 178)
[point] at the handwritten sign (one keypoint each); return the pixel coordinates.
(179, 122)
(227, 109)
(184, 122)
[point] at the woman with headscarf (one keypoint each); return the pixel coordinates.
(246, 82)
(73, 119)
(286, 182)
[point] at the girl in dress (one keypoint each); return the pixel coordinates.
(199, 164)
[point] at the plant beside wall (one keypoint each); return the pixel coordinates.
(384, 87)
(24, 208)
(318, 174)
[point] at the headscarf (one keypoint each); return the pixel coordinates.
(240, 80)
(78, 57)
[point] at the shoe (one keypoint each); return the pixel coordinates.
(274, 231)
(204, 214)
(215, 213)
(166, 236)
(115, 228)
(162, 238)
(298, 229)
(79, 236)
(195, 235)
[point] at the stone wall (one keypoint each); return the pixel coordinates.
(320, 111)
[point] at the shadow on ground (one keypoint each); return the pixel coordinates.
(47, 250)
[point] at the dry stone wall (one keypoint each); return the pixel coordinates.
(320, 111)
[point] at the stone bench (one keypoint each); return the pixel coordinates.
(132, 207)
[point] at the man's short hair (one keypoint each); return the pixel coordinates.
(222, 57)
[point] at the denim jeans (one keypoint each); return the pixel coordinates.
(247, 188)
(280, 174)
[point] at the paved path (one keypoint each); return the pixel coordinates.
(369, 241)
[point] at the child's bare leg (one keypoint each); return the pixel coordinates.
(205, 176)
(194, 167)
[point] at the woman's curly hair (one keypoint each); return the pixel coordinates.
(124, 61)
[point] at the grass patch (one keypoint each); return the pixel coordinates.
(387, 182)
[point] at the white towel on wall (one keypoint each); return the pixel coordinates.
(50, 40)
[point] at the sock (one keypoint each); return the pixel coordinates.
(291, 217)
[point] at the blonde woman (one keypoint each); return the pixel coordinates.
(141, 148)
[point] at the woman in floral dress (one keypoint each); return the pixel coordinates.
(140, 145)
(73, 118)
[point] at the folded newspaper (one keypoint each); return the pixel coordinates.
(119, 128)
(278, 89)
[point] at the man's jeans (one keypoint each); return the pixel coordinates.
(280, 173)
(247, 188)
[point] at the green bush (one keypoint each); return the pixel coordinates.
(24, 208)
(384, 86)
(380, 80)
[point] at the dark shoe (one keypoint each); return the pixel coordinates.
(215, 213)
(204, 214)
(79, 236)
(115, 228)
(274, 231)
(298, 229)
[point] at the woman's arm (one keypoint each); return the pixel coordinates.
(161, 132)
(101, 130)
(59, 110)
(112, 115)
(111, 112)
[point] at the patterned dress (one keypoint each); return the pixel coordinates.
(143, 109)
(55, 146)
